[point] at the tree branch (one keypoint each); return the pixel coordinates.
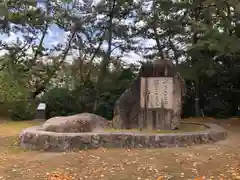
(42, 87)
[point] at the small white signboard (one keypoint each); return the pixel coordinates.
(41, 106)
(156, 92)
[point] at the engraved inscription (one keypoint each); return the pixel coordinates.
(165, 90)
(159, 92)
(157, 101)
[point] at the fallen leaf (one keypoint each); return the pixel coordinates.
(160, 178)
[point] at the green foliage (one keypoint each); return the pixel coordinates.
(14, 98)
(11, 89)
(202, 38)
(60, 102)
(112, 91)
(85, 94)
(24, 110)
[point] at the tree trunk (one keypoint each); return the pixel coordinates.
(106, 60)
(156, 36)
(196, 100)
(194, 60)
(39, 88)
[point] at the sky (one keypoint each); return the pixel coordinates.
(56, 35)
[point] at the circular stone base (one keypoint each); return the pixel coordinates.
(37, 139)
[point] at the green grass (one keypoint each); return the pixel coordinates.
(9, 128)
(183, 128)
(9, 134)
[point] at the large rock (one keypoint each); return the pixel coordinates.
(127, 107)
(153, 100)
(85, 122)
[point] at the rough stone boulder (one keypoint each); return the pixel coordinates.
(154, 99)
(85, 122)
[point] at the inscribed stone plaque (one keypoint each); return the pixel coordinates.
(156, 92)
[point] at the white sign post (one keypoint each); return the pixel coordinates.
(41, 106)
(40, 112)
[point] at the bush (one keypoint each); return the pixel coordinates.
(85, 95)
(23, 111)
(11, 90)
(17, 110)
(14, 99)
(60, 102)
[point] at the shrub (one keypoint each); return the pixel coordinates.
(14, 99)
(23, 111)
(60, 102)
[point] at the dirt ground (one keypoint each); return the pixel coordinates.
(213, 161)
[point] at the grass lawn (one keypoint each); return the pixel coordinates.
(183, 128)
(214, 161)
(8, 128)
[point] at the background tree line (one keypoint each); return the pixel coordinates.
(86, 71)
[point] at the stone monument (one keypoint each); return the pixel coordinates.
(154, 100)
